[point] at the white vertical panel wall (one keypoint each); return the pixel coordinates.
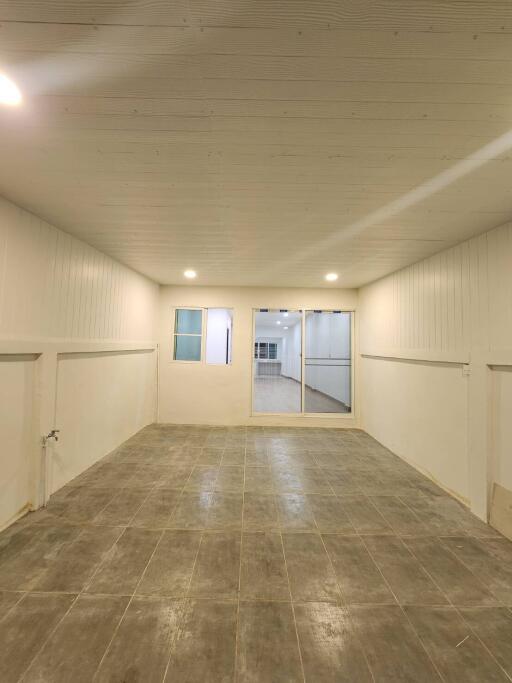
(427, 333)
(59, 295)
(55, 286)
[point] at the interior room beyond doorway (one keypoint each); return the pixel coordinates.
(284, 381)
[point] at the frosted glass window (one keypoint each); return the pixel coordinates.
(187, 347)
(188, 321)
(188, 331)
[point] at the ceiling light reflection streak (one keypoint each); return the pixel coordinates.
(428, 188)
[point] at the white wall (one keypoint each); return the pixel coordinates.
(419, 411)
(452, 312)
(186, 389)
(58, 295)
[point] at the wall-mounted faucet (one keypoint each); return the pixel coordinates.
(53, 435)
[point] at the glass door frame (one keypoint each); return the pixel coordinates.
(303, 311)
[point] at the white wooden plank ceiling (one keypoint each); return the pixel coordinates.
(260, 141)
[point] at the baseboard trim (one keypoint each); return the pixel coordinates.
(426, 473)
(21, 513)
(501, 510)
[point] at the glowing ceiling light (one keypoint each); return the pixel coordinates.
(190, 274)
(331, 277)
(9, 92)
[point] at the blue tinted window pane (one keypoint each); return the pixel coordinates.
(188, 321)
(187, 348)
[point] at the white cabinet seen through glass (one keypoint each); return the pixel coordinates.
(287, 381)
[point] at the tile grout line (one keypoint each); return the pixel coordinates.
(442, 678)
(135, 589)
(183, 600)
(342, 603)
(457, 607)
(186, 598)
(22, 595)
(292, 605)
(73, 602)
(237, 626)
(126, 609)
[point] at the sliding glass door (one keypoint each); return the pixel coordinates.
(327, 375)
(277, 361)
(287, 381)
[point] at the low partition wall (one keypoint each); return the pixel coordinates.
(96, 394)
(102, 400)
(419, 410)
(17, 434)
(501, 444)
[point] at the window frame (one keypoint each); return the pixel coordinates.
(175, 334)
(204, 332)
(266, 345)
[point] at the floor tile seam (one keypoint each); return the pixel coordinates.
(87, 582)
(185, 600)
(116, 629)
(21, 597)
(176, 505)
(457, 609)
(129, 524)
(460, 612)
(130, 600)
(48, 637)
(343, 602)
(442, 678)
(292, 607)
(397, 533)
(237, 626)
(111, 500)
(440, 537)
(434, 533)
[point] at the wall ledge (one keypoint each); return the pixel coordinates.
(38, 346)
(425, 356)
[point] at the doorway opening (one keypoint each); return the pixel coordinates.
(287, 380)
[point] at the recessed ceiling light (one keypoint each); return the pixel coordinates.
(278, 322)
(190, 274)
(331, 277)
(9, 92)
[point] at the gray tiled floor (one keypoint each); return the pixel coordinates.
(209, 554)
